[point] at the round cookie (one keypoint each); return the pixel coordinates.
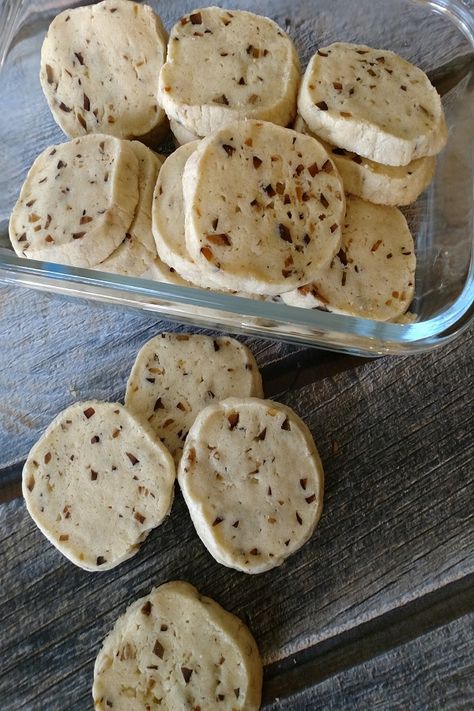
(253, 482)
(372, 102)
(381, 184)
(223, 66)
(175, 376)
(263, 205)
(176, 649)
(99, 69)
(96, 483)
(181, 134)
(373, 274)
(77, 202)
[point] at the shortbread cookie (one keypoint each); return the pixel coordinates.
(131, 258)
(373, 102)
(99, 70)
(263, 206)
(381, 184)
(181, 134)
(149, 164)
(253, 482)
(77, 202)
(223, 66)
(176, 375)
(96, 483)
(176, 649)
(373, 274)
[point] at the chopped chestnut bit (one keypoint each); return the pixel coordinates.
(299, 519)
(327, 167)
(22, 237)
(228, 149)
(64, 537)
(146, 608)
(322, 54)
(207, 253)
(269, 190)
(89, 412)
(163, 628)
(222, 99)
(254, 203)
(186, 672)
(222, 240)
(150, 380)
(215, 223)
(254, 551)
(323, 200)
(306, 239)
(261, 435)
(286, 424)
(313, 170)
(132, 458)
(362, 51)
(403, 87)
(357, 159)
(376, 245)
(216, 346)
(303, 483)
(342, 257)
(337, 85)
(87, 103)
(343, 278)
(139, 517)
(101, 560)
(181, 407)
(233, 420)
(253, 98)
(93, 475)
(47, 457)
(49, 74)
(389, 255)
(286, 200)
(380, 59)
(334, 227)
(63, 107)
(345, 114)
(217, 521)
(158, 649)
(83, 221)
(78, 235)
(196, 18)
(242, 81)
(322, 106)
(285, 233)
(256, 162)
(371, 72)
(286, 273)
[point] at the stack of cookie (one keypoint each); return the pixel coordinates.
(245, 205)
(102, 477)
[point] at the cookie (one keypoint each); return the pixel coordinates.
(96, 483)
(253, 482)
(77, 202)
(372, 102)
(373, 274)
(149, 165)
(181, 134)
(223, 66)
(176, 649)
(99, 69)
(131, 258)
(381, 184)
(176, 375)
(263, 207)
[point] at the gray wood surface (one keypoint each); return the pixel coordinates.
(395, 436)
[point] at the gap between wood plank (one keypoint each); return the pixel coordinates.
(370, 639)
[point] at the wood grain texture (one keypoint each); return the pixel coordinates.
(395, 439)
(435, 672)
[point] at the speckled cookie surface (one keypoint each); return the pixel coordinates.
(175, 649)
(373, 274)
(381, 184)
(96, 483)
(226, 65)
(263, 205)
(77, 202)
(99, 69)
(373, 102)
(176, 375)
(253, 482)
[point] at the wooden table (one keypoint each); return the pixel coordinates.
(376, 611)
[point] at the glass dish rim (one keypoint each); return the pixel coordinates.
(390, 337)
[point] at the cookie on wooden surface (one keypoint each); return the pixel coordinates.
(253, 482)
(77, 202)
(381, 184)
(263, 205)
(372, 102)
(175, 376)
(222, 66)
(373, 274)
(96, 483)
(176, 649)
(99, 69)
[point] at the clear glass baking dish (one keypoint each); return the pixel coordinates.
(437, 35)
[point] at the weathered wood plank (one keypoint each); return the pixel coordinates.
(395, 438)
(435, 672)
